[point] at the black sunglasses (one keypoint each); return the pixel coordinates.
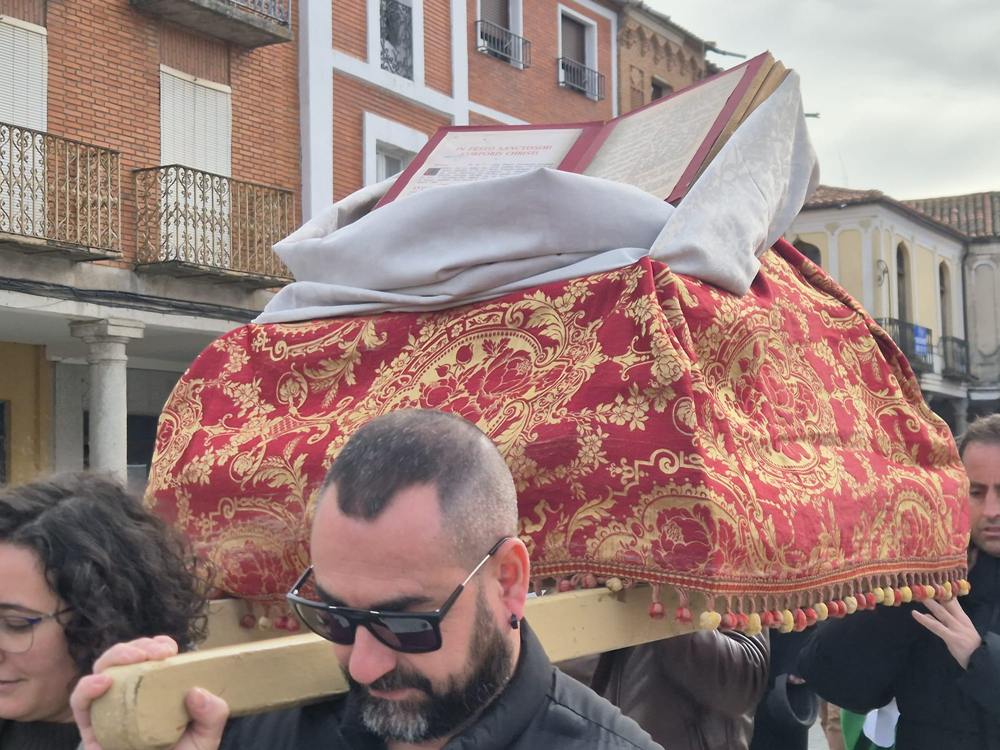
(407, 632)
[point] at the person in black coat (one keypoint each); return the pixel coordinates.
(939, 660)
(789, 707)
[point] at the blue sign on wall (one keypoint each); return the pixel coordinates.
(921, 341)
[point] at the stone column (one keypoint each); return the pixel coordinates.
(961, 416)
(67, 416)
(106, 340)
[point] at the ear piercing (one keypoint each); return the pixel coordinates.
(514, 624)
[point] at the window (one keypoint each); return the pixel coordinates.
(659, 89)
(195, 133)
(578, 55)
(574, 40)
(390, 160)
(902, 283)
(23, 75)
(810, 251)
(195, 123)
(389, 147)
(396, 25)
(497, 31)
(944, 292)
(496, 12)
(23, 104)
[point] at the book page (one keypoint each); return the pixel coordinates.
(651, 148)
(469, 156)
(754, 96)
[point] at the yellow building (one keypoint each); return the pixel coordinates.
(907, 265)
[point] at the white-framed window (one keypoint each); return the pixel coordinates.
(196, 127)
(196, 122)
(500, 31)
(396, 37)
(390, 160)
(578, 53)
(24, 74)
(23, 107)
(389, 147)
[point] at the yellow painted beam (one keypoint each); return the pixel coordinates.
(144, 709)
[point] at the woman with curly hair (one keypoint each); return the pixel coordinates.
(83, 565)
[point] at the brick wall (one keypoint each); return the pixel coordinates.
(477, 119)
(351, 99)
(104, 68)
(265, 85)
(104, 81)
(350, 27)
(437, 45)
(200, 56)
(32, 11)
(533, 94)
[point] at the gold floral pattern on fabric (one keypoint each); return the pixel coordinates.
(658, 429)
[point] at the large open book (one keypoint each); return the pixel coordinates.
(660, 148)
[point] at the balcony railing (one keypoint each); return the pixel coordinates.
(196, 222)
(913, 340)
(248, 23)
(499, 42)
(274, 10)
(59, 193)
(955, 352)
(579, 77)
(396, 20)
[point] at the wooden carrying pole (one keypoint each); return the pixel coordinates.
(144, 707)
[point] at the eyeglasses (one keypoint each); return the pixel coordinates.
(17, 632)
(407, 632)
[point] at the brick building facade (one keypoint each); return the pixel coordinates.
(149, 158)
(656, 57)
(385, 74)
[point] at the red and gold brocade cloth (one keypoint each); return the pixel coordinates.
(770, 450)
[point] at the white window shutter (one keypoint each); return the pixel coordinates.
(23, 77)
(195, 125)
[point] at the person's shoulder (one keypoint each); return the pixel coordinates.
(308, 726)
(578, 713)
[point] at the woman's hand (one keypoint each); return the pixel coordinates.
(208, 712)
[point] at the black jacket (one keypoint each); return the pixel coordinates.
(539, 709)
(864, 660)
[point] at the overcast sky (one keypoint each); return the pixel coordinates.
(908, 92)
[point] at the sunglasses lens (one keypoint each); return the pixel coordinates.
(333, 627)
(408, 634)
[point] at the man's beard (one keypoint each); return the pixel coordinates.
(440, 712)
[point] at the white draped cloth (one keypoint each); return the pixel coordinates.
(456, 244)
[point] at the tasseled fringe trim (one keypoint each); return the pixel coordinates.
(261, 615)
(785, 612)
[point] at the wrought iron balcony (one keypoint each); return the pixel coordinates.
(497, 41)
(396, 20)
(248, 23)
(192, 222)
(955, 352)
(577, 76)
(913, 340)
(58, 194)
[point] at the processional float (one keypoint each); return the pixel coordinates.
(685, 455)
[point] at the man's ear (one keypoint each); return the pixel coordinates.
(514, 575)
